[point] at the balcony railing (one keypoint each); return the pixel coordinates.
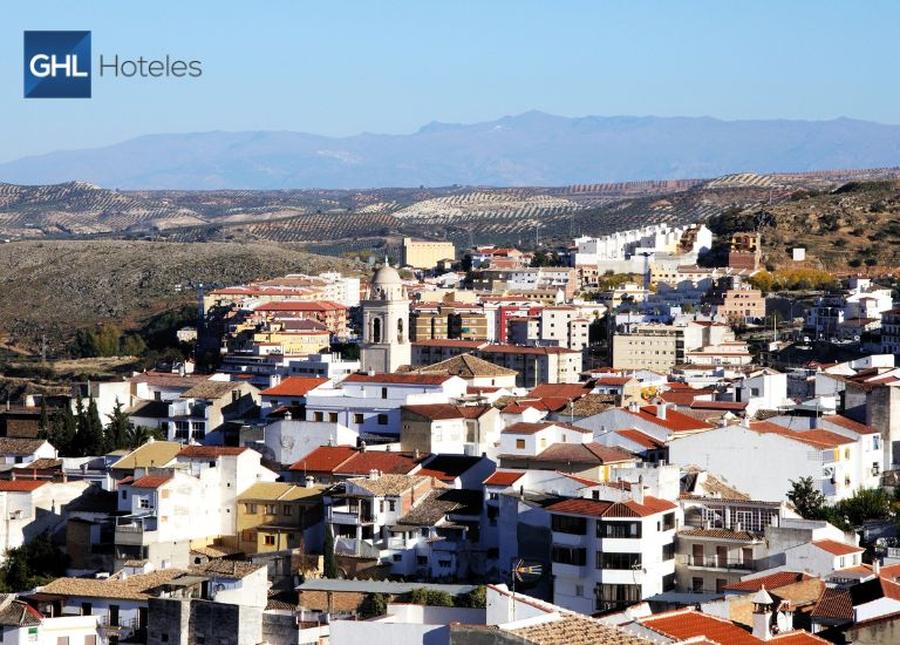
(716, 562)
(136, 524)
(345, 515)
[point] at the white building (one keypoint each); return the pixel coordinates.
(369, 404)
(838, 464)
(608, 555)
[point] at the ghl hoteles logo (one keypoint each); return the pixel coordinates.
(57, 64)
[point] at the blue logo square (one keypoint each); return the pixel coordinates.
(57, 65)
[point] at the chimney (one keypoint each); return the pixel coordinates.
(309, 481)
(637, 490)
(876, 565)
(362, 446)
(762, 614)
(288, 416)
(633, 406)
(661, 410)
(373, 474)
(738, 526)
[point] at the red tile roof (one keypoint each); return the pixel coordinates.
(612, 380)
(817, 438)
(21, 485)
(674, 421)
(718, 405)
(582, 453)
(849, 424)
(559, 390)
(837, 548)
(504, 478)
(597, 508)
(772, 581)
(324, 459)
(211, 452)
(834, 603)
(437, 411)
(294, 386)
(640, 438)
(398, 379)
(150, 481)
(301, 305)
(683, 624)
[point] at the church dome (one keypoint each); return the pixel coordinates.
(386, 275)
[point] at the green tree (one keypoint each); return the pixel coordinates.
(477, 598)
(32, 564)
(89, 435)
(865, 504)
(44, 423)
(806, 498)
(63, 429)
(117, 431)
(374, 604)
(139, 435)
(329, 564)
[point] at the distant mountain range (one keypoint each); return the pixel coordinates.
(531, 149)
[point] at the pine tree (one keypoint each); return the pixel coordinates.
(117, 430)
(95, 437)
(80, 441)
(64, 428)
(44, 423)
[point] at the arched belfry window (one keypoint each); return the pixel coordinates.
(400, 330)
(376, 330)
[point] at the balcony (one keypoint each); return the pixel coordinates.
(122, 628)
(716, 562)
(349, 515)
(134, 530)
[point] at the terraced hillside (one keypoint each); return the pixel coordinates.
(333, 221)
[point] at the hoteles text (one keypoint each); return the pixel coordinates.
(149, 68)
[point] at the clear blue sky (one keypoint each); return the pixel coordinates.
(341, 68)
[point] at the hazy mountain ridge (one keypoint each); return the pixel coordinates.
(530, 149)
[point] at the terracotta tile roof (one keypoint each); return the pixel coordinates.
(439, 411)
(817, 438)
(682, 396)
(294, 386)
(300, 305)
(211, 452)
(279, 491)
(211, 390)
(525, 427)
(721, 534)
(575, 629)
(19, 446)
(152, 453)
(640, 438)
(389, 484)
(849, 424)
(386, 462)
(151, 481)
(675, 421)
(504, 478)
(450, 342)
(560, 390)
(133, 587)
(21, 485)
(324, 459)
(772, 581)
(407, 378)
(700, 404)
(834, 604)
(684, 624)
(466, 366)
(222, 568)
(597, 508)
(591, 404)
(837, 548)
(612, 380)
(17, 613)
(582, 453)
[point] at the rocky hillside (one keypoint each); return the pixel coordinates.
(56, 287)
(852, 228)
